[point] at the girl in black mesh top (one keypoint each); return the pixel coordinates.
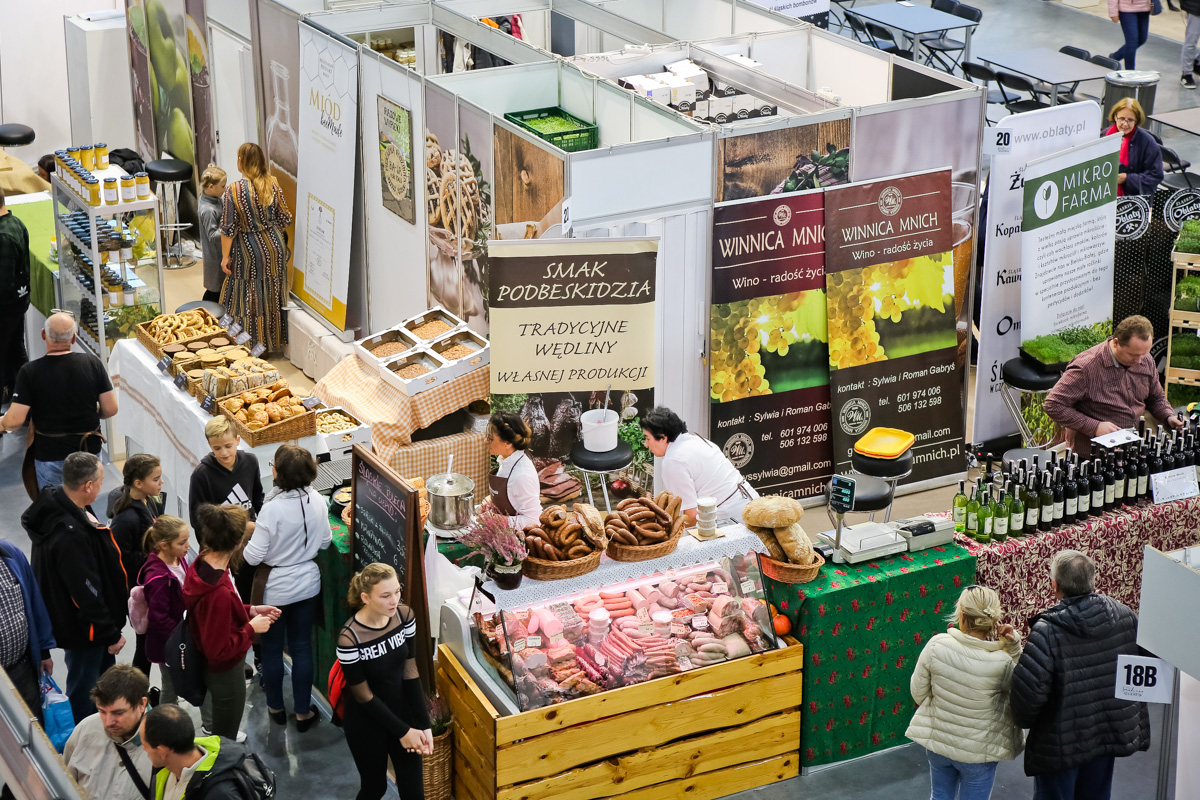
(385, 711)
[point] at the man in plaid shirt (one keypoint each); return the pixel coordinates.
(1109, 387)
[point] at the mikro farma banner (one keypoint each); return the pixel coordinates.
(572, 315)
(892, 341)
(769, 372)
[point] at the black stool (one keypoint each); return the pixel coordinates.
(169, 174)
(591, 463)
(13, 134)
(216, 309)
(888, 471)
(1019, 375)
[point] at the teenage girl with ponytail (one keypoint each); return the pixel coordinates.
(962, 682)
(161, 580)
(385, 711)
(134, 511)
(254, 249)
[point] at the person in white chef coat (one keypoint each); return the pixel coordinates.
(693, 467)
(513, 490)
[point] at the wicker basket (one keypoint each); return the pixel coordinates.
(436, 769)
(785, 572)
(539, 569)
(285, 430)
(643, 552)
(143, 336)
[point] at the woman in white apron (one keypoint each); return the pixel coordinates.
(693, 467)
(513, 490)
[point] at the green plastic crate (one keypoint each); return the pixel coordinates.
(586, 137)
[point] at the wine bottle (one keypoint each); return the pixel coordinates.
(1156, 462)
(1070, 497)
(1085, 493)
(1016, 515)
(1059, 494)
(988, 477)
(1118, 478)
(986, 513)
(960, 508)
(973, 514)
(1143, 474)
(1131, 462)
(1000, 517)
(1033, 506)
(1110, 485)
(1189, 450)
(1097, 484)
(1046, 498)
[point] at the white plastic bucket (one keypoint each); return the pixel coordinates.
(599, 427)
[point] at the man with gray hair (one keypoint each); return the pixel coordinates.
(1064, 685)
(65, 394)
(77, 564)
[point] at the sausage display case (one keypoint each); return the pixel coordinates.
(662, 675)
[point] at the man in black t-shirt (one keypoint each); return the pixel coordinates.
(65, 394)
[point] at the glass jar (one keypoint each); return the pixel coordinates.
(142, 180)
(127, 249)
(110, 191)
(93, 192)
(128, 189)
(87, 157)
(130, 294)
(101, 150)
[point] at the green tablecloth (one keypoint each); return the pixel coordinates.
(862, 627)
(39, 221)
(337, 567)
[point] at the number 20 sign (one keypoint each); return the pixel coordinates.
(1144, 680)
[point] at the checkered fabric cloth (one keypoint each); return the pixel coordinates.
(430, 457)
(393, 415)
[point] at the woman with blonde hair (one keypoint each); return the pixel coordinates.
(1140, 157)
(961, 684)
(385, 715)
(254, 250)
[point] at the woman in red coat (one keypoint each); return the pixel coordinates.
(223, 626)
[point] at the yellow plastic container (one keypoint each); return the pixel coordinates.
(886, 443)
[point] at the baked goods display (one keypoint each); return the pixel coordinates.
(264, 406)
(776, 522)
(169, 328)
(612, 636)
(642, 521)
(563, 535)
(334, 421)
(222, 377)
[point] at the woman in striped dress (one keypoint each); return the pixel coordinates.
(254, 251)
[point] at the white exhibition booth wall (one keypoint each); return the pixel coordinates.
(693, 20)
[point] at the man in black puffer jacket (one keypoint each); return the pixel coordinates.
(1063, 688)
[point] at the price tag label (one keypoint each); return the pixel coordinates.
(533, 641)
(1144, 680)
(700, 622)
(164, 363)
(555, 638)
(258, 350)
(1175, 484)
(311, 402)
(747, 586)
(685, 663)
(181, 380)
(678, 629)
(518, 645)
(208, 403)
(235, 329)
(242, 338)
(720, 587)
(643, 614)
(646, 628)
(225, 321)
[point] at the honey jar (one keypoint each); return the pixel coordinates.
(110, 191)
(128, 189)
(93, 192)
(101, 150)
(87, 157)
(143, 185)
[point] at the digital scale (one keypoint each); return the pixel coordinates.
(866, 541)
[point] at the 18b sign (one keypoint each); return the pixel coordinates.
(1144, 680)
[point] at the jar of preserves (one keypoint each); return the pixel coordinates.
(110, 191)
(93, 192)
(128, 189)
(101, 150)
(142, 180)
(87, 157)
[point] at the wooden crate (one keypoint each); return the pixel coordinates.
(699, 735)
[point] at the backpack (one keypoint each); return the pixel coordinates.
(252, 777)
(337, 691)
(139, 612)
(183, 657)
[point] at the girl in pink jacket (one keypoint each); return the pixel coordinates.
(1134, 18)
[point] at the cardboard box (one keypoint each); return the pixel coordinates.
(363, 347)
(720, 109)
(435, 313)
(687, 69)
(458, 367)
(340, 442)
(437, 373)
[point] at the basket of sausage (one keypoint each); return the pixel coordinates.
(565, 544)
(642, 528)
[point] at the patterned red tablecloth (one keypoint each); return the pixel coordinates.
(1019, 569)
(862, 627)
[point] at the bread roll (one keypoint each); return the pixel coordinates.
(772, 512)
(795, 543)
(767, 537)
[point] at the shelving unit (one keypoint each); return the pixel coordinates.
(1183, 323)
(85, 259)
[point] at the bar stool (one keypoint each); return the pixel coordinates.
(889, 470)
(13, 134)
(1019, 376)
(870, 495)
(602, 464)
(169, 174)
(212, 307)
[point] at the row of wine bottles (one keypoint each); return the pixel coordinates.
(1020, 501)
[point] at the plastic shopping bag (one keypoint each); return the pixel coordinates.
(57, 712)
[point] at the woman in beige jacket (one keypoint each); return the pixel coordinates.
(961, 684)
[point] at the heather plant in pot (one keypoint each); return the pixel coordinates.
(501, 545)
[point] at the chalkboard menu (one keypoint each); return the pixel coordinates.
(383, 528)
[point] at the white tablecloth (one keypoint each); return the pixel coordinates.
(168, 422)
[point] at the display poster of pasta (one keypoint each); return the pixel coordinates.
(892, 339)
(769, 361)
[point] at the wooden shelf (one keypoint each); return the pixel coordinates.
(1185, 319)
